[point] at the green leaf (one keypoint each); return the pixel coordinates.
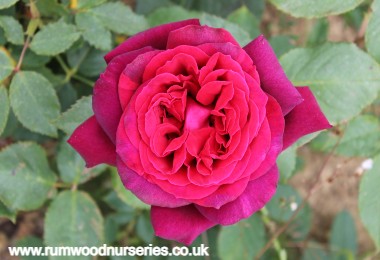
(369, 203)
(93, 31)
(93, 64)
(54, 38)
(148, 6)
(119, 18)
(343, 78)
(171, 14)
(90, 60)
(318, 34)
(257, 7)
(360, 138)
(281, 44)
(4, 108)
(6, 64)
(111, 228)
(241, 36)
(7, 3)
(343, 241)
(17, 132)
(74, 116)
(284, 203)
(286, 163)
(125, 195)
(71, 166)
(56, 79)
(315, 251)
(12, 29)
(372, 36)
(51, 8)
(87, 4)
(67, 96)
(309, 8)
(144, 228)
(300, 227)
(7, 212)
(31, 241)
(25, 176)
(246, 20)
(73, 219)
(31, 60)
(34, 102)
(242, 240)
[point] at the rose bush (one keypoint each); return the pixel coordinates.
(194, 124)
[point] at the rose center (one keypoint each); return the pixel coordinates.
(196, 115)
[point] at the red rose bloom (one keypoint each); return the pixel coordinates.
(194, 124)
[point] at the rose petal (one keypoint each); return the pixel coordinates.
(304, 119)
(155, 37)
(131, 77)
(90, 141)
(277, 125)
(146, 191)
(272, 76)
(256, 195)
(181, 224)
(105, 101)
(195, 35)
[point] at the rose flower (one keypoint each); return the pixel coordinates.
(194, 124)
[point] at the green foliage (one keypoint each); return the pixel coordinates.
(318, 34)
(78, 113)
(170, 14)
(360, 138)
(330, 73)
(7, 3)
(93, 31)
(87, 4)
(286, 163)
(119, 18)
(34, 102)
(310, 9)
(54, 38)
(4, 108)
(369, 203)
(6, 64)
(343, 241)
(73, 219)
(246, 20)
(71, 166)
(31, 241)
(25, 177)
(281, 44)
(12, 29)
(241, 36)
(372, 36)
(7, 212)
(242, 240)
(284, 203)
(125, 195)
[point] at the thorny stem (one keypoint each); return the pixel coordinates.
(71, 72)
(19, 63)
(32, 26)
(276, 243)
(62, 64)
(83, 80)
(303, 203)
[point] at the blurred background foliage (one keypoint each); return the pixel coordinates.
(327, 205)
